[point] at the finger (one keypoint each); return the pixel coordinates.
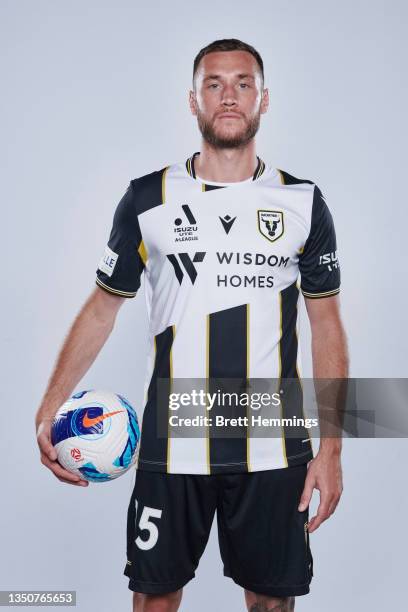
(80, 483)
(62, 473)
(311, 524)
(72, 478)
(333, 505)
(306, 494)
(320, 517)
(46, 447)
(59, 471)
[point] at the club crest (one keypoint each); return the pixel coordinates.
(270, 224)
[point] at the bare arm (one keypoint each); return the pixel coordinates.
(330, 360)
(87, 335)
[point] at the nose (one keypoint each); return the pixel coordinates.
(229, 96)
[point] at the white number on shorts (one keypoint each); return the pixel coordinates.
(151, 527)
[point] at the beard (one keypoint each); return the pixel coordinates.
(221, 141)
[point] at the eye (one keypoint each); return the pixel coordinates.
(213, 85)
(243, 85)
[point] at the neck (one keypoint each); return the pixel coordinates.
(226, 165)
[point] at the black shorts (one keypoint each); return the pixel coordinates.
(263, 538)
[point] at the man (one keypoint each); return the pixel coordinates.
(221, 239)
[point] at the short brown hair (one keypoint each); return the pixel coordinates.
(228, 44)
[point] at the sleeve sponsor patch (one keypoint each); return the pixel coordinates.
(108, 261)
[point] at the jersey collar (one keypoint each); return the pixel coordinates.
(260, 167)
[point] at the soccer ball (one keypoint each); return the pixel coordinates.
(96, 435)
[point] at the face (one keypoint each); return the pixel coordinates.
(228, 98)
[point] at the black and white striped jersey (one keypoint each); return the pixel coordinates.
(220, 265)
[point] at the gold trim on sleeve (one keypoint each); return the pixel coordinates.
(320, 295)
(115, 291)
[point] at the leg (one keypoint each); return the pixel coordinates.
(263, 537)
(263, 603)
(168, 602)
(169, 521)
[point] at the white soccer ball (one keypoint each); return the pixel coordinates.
(96, 435)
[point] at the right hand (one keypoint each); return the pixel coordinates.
(49, 455)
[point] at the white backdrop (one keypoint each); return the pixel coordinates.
(95, 93)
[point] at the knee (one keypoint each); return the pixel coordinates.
(262, 603)
(168, 602)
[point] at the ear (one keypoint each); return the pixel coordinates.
(265, 101)
(192, 102)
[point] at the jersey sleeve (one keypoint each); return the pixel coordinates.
(318, 262)
(122, 262)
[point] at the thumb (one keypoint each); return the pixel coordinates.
(306, 495)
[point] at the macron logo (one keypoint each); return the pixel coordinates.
(227, 222)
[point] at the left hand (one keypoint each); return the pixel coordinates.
(324, 473)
